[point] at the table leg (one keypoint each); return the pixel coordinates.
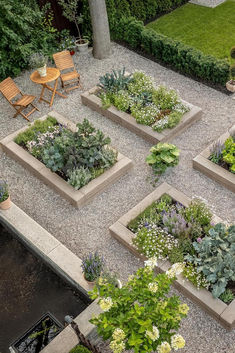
(53, 92)
(43, 89)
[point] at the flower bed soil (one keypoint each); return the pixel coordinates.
(219, 173)
(90, 99)
(225, 314)
(76, 197)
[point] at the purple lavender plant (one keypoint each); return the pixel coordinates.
(175, 224)
(92, 266)
(216, 152)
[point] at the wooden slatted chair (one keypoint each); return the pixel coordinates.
(64, 61)
(11, 91)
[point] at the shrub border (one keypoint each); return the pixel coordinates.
(212, 170)
(126, 120)
(223, 313)
(76, 197)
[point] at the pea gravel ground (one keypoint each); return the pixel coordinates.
(86, 229)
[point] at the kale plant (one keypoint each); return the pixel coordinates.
(115, 81)
(215, 257)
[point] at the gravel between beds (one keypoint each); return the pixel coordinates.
(86, 229)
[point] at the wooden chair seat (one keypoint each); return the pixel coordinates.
(25, 100)
(64, 61)
(10, 91)
(70, 76)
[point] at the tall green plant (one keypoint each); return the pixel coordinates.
(141, 315)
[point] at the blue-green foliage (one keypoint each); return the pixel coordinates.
(215, 257)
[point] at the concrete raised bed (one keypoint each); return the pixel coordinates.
(225, 314)
(75, 197)
(90, 99)
(212, 170)
(62, 261)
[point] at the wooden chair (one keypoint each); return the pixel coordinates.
(11, 91)
(64, 61)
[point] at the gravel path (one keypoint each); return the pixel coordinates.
(86, 229)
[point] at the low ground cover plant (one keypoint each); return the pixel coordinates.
(78, 157)
(80, 349)
(224, 154)
(141, 315)
(168, 230)
(136, 94)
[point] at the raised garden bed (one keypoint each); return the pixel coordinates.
(149, 114)
(222, 312)
(57, 180)
(218, 172)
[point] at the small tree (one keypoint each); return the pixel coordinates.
(70, 12)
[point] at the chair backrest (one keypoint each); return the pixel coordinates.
(63, 60)
(9, 89)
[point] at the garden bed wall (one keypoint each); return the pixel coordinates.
(223, 313)
(76, 197)
(90, 99)
(62, 261)
(213, 170)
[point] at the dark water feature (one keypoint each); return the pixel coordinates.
(28, 290)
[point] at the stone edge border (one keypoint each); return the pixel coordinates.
(126, 120)
(76, 197)
(225, 314)
(62, 261)
(212, 170)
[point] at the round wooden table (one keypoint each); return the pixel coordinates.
(52, 75)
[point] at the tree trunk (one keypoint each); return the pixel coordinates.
(100, 28)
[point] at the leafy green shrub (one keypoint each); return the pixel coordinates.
(24, 29)
(227, 296)
(141, 315)
(229, 153)
(215, 257)
(232, 52)
(38, 126)
(79, 349)
(162, 156)
(180, 56)
(79, 177)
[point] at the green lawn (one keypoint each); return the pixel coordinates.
(210, 30)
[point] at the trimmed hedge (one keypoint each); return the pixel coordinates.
(180, 56)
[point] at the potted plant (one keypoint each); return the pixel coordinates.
(70, 12)
(67, 42)
(39, 61)
(92, 266)
(5, 201)
(230, 85)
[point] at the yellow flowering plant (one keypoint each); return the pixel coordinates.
(141, 316)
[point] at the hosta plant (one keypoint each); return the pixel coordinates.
(162, 156)
(215, 257)
(141, 315)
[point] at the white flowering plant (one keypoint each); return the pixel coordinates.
(141, 315)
